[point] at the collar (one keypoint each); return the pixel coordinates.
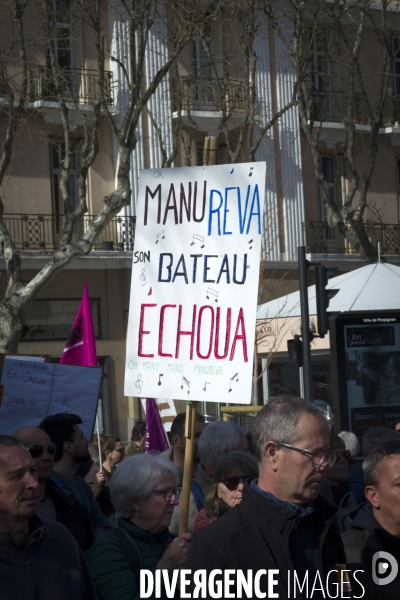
(301, 512)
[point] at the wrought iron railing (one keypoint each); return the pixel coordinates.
(40, 232)
(77, 85)
(321, 239)
(204, 94)
(333, 107)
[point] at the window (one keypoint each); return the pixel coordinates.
(396, 66)
(204, 91)
(321, 66)
(52, 319)
(323, 105)
(331, 173)
(63, 45)
(57, 156)
(284, 377)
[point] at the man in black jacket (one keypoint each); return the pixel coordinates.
(53, 503)
(38, 559)
(281, 523)
(372, 544)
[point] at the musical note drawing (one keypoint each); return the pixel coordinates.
(150, 291)
(197, 238)
(251, 169)
(205, 386)
(139, 383)
(159, 234)
(250, 244)
(213, 293)
(142, 276)
(232, 171)
(159, 378)
(186, 382)
(235, 377)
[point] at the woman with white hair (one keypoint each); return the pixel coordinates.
(144, 493)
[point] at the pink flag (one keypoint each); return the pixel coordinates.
(156, 440)
(80, 348)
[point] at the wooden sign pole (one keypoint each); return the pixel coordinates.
(190, 424)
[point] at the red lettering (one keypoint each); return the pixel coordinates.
(203, 308)
(180, 332)
(160, 338)
(242, 336)
(227, 334)
(142, 332)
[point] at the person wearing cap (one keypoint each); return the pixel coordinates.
(372, 544)
(53, 503)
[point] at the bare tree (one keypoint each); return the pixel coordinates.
(182, 20)
(335, 82)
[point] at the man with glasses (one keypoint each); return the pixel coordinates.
(372, 544)
(53, 503)
(38, 559)
(281, 522)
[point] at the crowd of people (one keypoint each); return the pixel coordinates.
(292, 507)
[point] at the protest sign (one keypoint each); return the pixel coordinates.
(194, 283)
(33, 390)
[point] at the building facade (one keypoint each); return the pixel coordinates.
(208, 85)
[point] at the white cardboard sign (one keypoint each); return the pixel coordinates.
(33, 390)
(194, 283)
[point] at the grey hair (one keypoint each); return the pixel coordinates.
(372, 464)
(278, 421)
(217, 438)
(351, 442)
(136, 477)
(376, 436)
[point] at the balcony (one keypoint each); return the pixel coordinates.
(80, 86)
(202, 100)
(331, 107)
(41, 233)
(321, 239)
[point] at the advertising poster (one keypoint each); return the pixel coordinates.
(369, 351)
(194, 283)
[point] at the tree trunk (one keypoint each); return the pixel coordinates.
(11, 325)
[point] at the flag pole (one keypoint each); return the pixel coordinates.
(190, 424)
(99, 442)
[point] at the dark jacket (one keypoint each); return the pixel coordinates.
(108, 561)
(50, 567)
(355, 480)
(73, 515)
(101, 491)
(361, 542)
(256, 535)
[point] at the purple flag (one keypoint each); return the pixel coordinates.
(156, 440)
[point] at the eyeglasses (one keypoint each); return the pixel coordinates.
(167, 494)
(232, 482)
(120, 450)
(38, 449)
(319, 459)
(390, 447)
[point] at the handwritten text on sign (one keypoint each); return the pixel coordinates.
(194, 283)
(33, 390)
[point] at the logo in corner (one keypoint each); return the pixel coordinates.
(384, 568)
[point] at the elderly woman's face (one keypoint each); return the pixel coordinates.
(154, 514)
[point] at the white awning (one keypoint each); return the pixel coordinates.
(371, 288)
